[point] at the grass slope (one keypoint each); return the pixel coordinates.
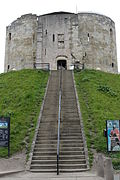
(99, 96)
(21, 95)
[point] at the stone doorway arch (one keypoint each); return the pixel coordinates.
(61, 62)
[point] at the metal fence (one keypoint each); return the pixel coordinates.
(42, 66)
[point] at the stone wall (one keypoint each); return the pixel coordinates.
(83, 38)
(53, 38)
(21, 43)
(97, 37)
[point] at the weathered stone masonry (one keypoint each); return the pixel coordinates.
(61, 37)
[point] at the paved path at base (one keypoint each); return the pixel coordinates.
(52, 176)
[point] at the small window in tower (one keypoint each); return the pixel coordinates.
(9, 36)
(111, 31)
(53, 37)
(88, 37)
(61, 43)
(33, 38)
(45, 51)
(46, 31)
(8, 67)
(112, 65)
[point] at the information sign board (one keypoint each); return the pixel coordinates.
(113, 135)
(5, 132)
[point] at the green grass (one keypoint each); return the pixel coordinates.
(99, 97)
(21, 95)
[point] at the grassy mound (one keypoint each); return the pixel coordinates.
(99, 97)
(21, 95)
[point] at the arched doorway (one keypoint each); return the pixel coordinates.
(61, 64)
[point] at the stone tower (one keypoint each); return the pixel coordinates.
(61, 38)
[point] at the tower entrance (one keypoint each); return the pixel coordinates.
(61, 64)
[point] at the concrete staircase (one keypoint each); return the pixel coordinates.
(44, 156)
(72, 155)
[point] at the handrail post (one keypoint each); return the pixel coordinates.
(59, 117)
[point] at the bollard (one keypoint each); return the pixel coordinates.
(100, 165)
(109, 174)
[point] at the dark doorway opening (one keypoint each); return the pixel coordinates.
(61, 64)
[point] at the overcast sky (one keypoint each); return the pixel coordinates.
(10, 10)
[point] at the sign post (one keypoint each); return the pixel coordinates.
(5, 133)
(113, 135)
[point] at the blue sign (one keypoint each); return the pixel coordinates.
(113, 135)
(4, 131)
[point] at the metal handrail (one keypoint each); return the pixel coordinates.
(59, 117)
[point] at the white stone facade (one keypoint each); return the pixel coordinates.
(62, 38)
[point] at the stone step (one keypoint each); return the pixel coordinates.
(70, 130)
(72, 145)
(69, 106)
(39, 140)
(46, 142)
(73, 166)
(50, 114)
(42, 166)
(49, 118)
(62, 141)
(50, 123)
(46, 138)
(69, 112)
(70, 157)
(54, 166)
(68, 141)
(70, 119)
(46, 146)
(47, 131)
(37, 149)
(71, 126)
(67, 131)
(70, 123)
(68, 115)
(45, 158)
(43, 170)
(72, 153)
(46, 135)
(48, 128)
(63, 149)
(73, 161)
(50, 153)
(62, 128)
(70, 138)
(67, 170)
(63, 132)
(44, 161)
